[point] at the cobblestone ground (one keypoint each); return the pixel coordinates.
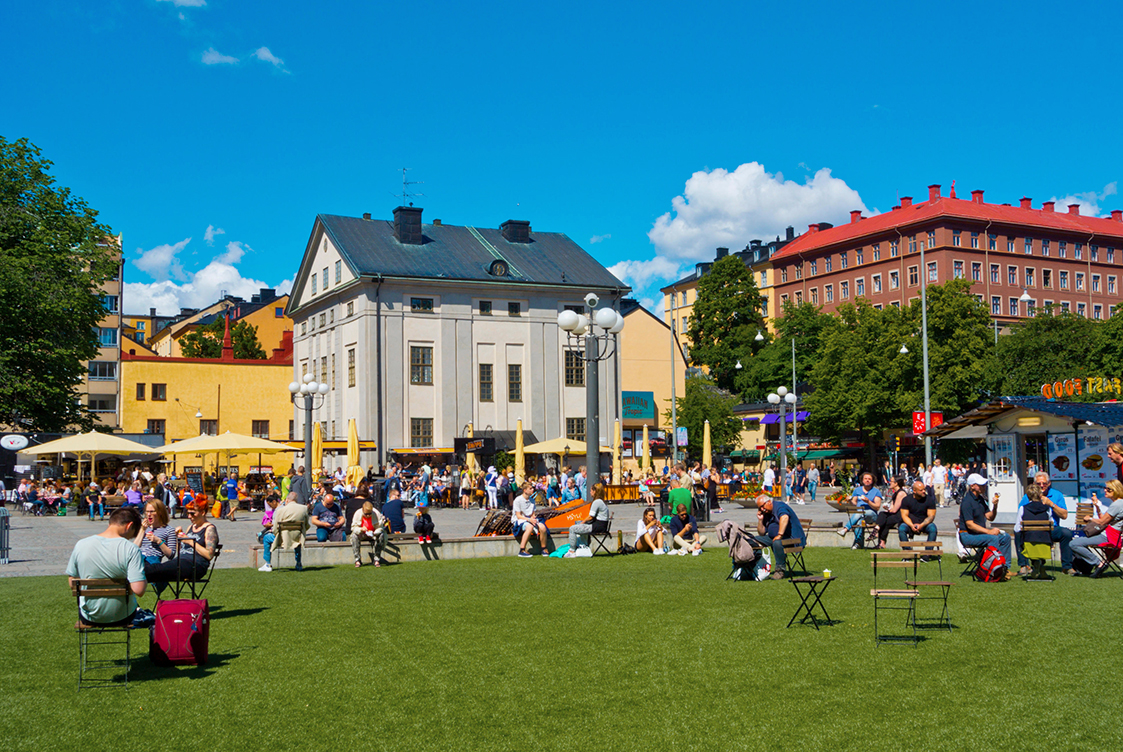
(42, 545)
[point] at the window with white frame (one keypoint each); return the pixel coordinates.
(858, 257)
(994, 272)
(876, 283)
(974, 240)
(1010, 245)
(877, 251)
(933, 276)
(860, 286)
(1047, 278)
(1013, 306)
(1095, 283)
(1012, 276)
(1081, 310)
(1078, 250)
(1062, 280)
(957, 269)
(844, 289)
(827, 264)
(894, 249)
(1029, 246)
(894, 280)
(1062, 249)
(955, 239)
(995, 305)
(829, 292)
(992, 241)
(1111, 284)
(1079, 281)
(814, 267)
(1029, 276)
(931, 238)
(914, 276)
(1094, 252)
(814, 296)
(843, 260)
(1044, 247)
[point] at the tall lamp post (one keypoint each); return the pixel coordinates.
(783, 398)
(582, 338)
(307, 391)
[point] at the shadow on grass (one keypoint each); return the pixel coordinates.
(218, 612)
(144, 670)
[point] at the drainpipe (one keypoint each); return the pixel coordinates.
(378, 367)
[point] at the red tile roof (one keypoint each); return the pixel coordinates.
(946, 207)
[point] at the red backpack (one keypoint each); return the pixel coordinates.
(992, 566)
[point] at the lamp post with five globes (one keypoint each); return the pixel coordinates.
(780, 397)
(307, 390)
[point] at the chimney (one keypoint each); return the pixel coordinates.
(1074, 208)
(516, 231)
(721, 253)
(1047, 206)
(906, 201)
(1116, 214)
(227, 344)
(1027, 203)
(933, 192)
(407, 225)
(790, 233)
(152, 311)
(754, 243)
(977, 196)
(436, 223)
(366, 215)
(813, 228)
(855, 216)
(825, 225)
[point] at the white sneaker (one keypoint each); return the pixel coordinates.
(696, 552)
(265, 568)
(658, 552)
(842, 532)
(569, 555)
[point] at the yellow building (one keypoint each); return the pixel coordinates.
(184, 397)
(265, 310)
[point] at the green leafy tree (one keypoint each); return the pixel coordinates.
(1050, 347)
(771, 366)
(206, 341)
(703, 401)
(54, 257)
(725, 319)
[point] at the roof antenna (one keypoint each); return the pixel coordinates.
(405, 195)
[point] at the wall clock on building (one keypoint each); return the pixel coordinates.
(498, 268)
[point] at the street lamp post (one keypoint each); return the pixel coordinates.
(592, 348)
(783, 398)
(307, 391)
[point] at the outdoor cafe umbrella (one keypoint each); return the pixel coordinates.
(228, 444)
(617, 461)
(354, 469)
(707, 452)
(646, 451)
(560, 445)
(90, 444)
(316, 461)
(520, 453)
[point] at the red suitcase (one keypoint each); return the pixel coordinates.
(181, 633)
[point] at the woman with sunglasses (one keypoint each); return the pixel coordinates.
(156, 537)
(198, 544)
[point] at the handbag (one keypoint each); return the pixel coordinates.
(1092, 529)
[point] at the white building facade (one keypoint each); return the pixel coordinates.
(454, 326)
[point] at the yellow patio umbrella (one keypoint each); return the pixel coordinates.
(316, 461)
(90, 444)
(354, 468)
(520, 453)
(228, 444)
(560, 445)
(646, 451)
(617, 460)
(707, 452)
(470, 459)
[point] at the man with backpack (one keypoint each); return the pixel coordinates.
(974, 516)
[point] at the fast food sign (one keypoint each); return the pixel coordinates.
(1076, 387)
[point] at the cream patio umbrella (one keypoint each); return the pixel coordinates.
(470, 457)
(228, 444)
(354, 468)
(90, 444)
(316, 461)
(520, 453)
(646, 451)
(707, 451)
(560, 445)
(617, 461)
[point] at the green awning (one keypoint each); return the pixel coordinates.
(748, 455)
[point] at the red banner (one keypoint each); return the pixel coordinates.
(918, 420)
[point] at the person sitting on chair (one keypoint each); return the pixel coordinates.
(649, 533)
(868, 499)
(110, 555)
(198, 545)
(1036, 545)
(974, 516)
(918, 513)
(1112, 520)
(597, 522)
(684, 531)
(368, 525)
(890, 516)
(524, 522)
(94, 503)
(1055, 501)
(134, 497)
(775, 523)
(328, 519)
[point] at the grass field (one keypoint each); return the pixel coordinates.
(635, 652)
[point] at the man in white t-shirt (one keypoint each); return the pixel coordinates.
(939, 481)
(524, 523)
(769, 479)
(110, 555)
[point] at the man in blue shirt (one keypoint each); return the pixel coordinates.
(974, 516)
(1055, 500)
(775, 522)
(868, 499)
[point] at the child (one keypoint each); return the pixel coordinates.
(423, 524)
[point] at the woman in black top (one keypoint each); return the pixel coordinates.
(198, 545)
(890, 516)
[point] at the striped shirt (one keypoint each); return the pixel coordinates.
(165, 534)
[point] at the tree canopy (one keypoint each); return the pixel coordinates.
(206, 341)
(725, 319)
(54, 257)
(703, 401)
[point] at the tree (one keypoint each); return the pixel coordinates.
(54, 257)
(725, 319)
(1051, 347)
(771, 366)
(206, 341)
(703, 401)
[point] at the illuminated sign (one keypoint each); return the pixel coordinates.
(918, 420)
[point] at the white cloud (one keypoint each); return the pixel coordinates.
(234, 252)
(185, 3)
(640, 275)
(1089, 200)
(209, 235)
(214, 57)
(263, 53)
(599, 239)
(161, 263)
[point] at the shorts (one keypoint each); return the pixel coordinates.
(519, 527)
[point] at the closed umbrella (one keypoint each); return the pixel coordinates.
(316, 461)
(354, 469)
(520, 453)
(617, 461)
(470, 459)
(646, 451)
(707, 452)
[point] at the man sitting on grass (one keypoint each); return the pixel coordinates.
(775, 523)
(110, 555)
(525, 523)
(684, 532)
(918, 514)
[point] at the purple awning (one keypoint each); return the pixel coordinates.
(802, 416)
(770, 418)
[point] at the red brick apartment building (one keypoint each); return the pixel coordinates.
(1063, 259)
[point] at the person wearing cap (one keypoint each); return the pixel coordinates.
(775, 522)
(974, 516)
(1055, 501)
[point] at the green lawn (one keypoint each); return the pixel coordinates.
(635, 652)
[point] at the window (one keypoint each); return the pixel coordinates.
(1010, 245)
(995, 305)
(514, 382)
(331, 316)
(278, 312)
(1062, 279)
(574, 369)
(829, 291)
(1029, 246)
(1097, 311)
(992, 241)
(894, 280)
(325, 279)
(485, 307)
(799, 271)
(1031, 307)
(1048, 304)
(858, 257)
(860, 286)
(994, 273)
(420, 433)
(1029, 276)
(107, 336)
(955, 239)
(683, 297)
(933, 275)
(1062, 248)
(303, 327)
(1065, 305)
(314, 279)
(1081, 310)
(420, 365)
(914, 276)
(877, 251)
(1094, 252)
(976, 270)
(876, 284)
(684, 323)
(1095, 283)
(351, 367)
(931, 238)
(487, 390)
(514, 309)
(763, 279)
(814, 268)
(843, 260)
(1079, 281)
(1046, 277)
(784, 272)
(844, 289)
(1044, 247)
(1077, 250)
(333, 370)
(292, 429)
(877, 306)
(575, 429)
(101, 370)
(1111, 255)
(259, 429)
(209, 427)
(338, 272)
(974, 240)
(1013, 306)
(155, 425)
(111, 304)
(323, 320)
(1012, 276)
(103, 404)
(159, 392)
(828, 263)
(324, 370)
(957, 270)
(895, 303)
(912, 244)
(1111, 284)
(814, 296)
(893, 249)
(140, 392)
(421, 305)
(350, 308)
(799, 297)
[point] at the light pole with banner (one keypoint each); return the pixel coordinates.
(307, 391)
(783, 398)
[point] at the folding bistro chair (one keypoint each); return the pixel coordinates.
(924, 550)
(974, 554)
(793, 550)
(1109, 556)
(101, 636)
(893, 599)
(196, 586)
(1037, 553)
(600, 540)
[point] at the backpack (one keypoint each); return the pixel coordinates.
(992, 566)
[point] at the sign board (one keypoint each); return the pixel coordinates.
(260, 469)
(1074, 387)
(14, 442)
(1062, 456)
(478, 445)
(918, 420)
(194, 478)
(1095, 467)
(680, 437)
(638, 405)
(628, 440)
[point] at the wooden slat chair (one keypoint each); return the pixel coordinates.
(293, 526)
(974, 555)
(929, 551)
(1035, 552)
(793, 549)
(893, 599)
(95, 588)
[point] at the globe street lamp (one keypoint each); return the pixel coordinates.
(593, 339)
(783, 398)
(307, 391)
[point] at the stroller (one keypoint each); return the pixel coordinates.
(750, 562)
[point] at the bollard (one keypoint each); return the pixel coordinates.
(5, 539)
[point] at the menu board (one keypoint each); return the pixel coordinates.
(627, 442)
(1062, 456)
(194, 479)
(1002, 457)
(1095, 467)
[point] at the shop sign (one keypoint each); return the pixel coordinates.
(1076, 387)
(638, 405)
(918, 420)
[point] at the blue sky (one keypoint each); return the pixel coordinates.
(648, 132)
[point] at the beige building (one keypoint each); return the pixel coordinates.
(265, 310)
(100, 384)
